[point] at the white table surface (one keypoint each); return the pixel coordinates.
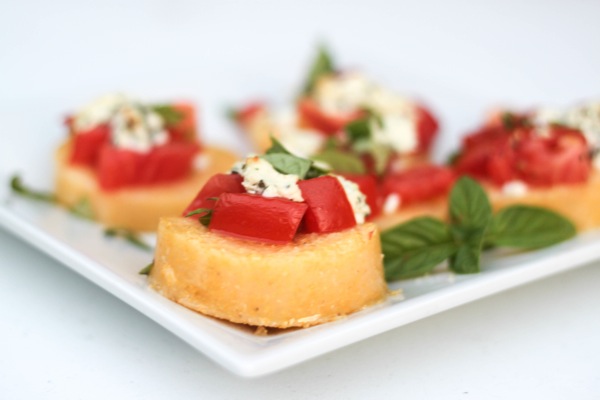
(63, 338)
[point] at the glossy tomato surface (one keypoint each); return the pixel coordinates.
(118, 168)
(248, 216)
(427, 128)
(328, 207)
(558, 155)
(87, 145)
(213, 188)
(419, 184)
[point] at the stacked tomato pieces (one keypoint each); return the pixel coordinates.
(117, 168)
(274, 220)
(501, 152)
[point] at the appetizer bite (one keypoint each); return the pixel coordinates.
(277, 242)
(362, 130)
(532, 159)
(130, 163)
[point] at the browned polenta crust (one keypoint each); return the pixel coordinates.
(314, 279)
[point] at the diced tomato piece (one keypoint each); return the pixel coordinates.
(271, 220)
(419, 184)
(312, 116)
(427, 128)
(498, 154)
(561, 158)
(368, 186)
(215, 187)
(328, 207)
(186, 128)
(87, 145)
(245, 114)
(118, 168)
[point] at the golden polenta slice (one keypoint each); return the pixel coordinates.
(136, 208)
(579, 202)
(314, 279)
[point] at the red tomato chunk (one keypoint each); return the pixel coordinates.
(328, 207)
(215, 187)
(312, 116)
(419, 184)
(248, 216)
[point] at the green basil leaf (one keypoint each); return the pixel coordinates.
(205, 217)
(289, 164)
(418, 261)
(83, 209)
(529, 227)
(129, 236)
(18, 187)
(469, 205)
(380, 153)
(168, 113)
(277, 148)
(322, 65)
(359, 129)
(415, 247)
(340, 161)
(147, 269)
(417, 232)
(470, 243)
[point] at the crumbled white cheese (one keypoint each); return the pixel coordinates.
(133, 125)
(344, 93)
(357, 199)
(299, 141)
(515, 189)
(392, 203)
(261, 178)
(397, 131)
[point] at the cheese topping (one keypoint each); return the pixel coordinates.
(397, 131)
(299, 141)
(346, 93)
(261, 178)
(134, 126)
(357, 199)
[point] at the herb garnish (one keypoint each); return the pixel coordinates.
(83, 209)
(205, 217)
(147, 269)
(322, 65)
(129, 236)
(286, 163)
(17, 186)
(416, 247)
(341, 161)
(169, 114)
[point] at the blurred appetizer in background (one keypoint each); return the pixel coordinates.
(277, 242)
(128, 163)
(363, 130)
(542, 157)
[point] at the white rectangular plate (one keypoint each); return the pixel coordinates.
(114, 264)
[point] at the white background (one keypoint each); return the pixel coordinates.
(61, 337)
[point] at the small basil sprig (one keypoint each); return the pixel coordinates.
(322, 65)
(341, 161)
(417, 246)
(205, 215)
(147, 269)
(360, 137)
(168, 113)
(129, 236)
(286, 163)
(17, 186)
